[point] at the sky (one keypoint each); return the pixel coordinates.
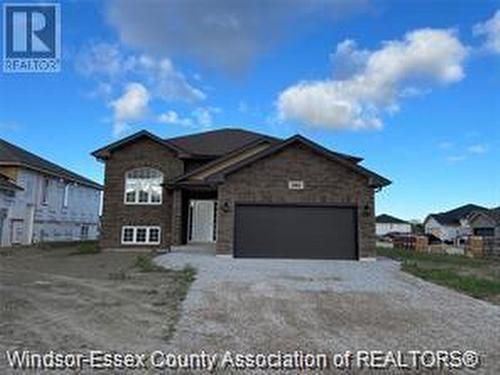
(413, 87)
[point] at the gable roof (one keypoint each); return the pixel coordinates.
(207, 145)
(7, 184)
(493, 214)
(12, 155)
(454, 216)
(104, 152)
(375, 180)
(388, 219)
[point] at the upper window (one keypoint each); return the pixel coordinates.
(143, 186)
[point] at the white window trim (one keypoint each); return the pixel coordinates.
(134, 228)
(137, 203)
(136, 194)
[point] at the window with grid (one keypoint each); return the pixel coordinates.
(141, 235)
(143, 186)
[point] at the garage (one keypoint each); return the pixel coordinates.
(300, 231)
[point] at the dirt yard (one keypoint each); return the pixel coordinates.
(57, 299)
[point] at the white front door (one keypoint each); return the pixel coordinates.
(202, 220)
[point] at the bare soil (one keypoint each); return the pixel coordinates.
(59, 300)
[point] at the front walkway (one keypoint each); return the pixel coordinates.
(264, 305)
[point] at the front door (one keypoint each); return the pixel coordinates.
(202, 214)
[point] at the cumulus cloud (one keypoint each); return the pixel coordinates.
(109, 64)
(374, 82)
(201, 117)
(490, 30)
(228, 34)
(205, 116)
(132, 105)
(173, 118)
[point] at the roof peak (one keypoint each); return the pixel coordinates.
(11, 154)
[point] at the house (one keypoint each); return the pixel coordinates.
(485, 223)
(389, 224)
(451, 225)
(250, 194)
(41, 201)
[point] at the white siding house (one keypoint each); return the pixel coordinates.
(53, 205)
(385, 224)
(451, 225)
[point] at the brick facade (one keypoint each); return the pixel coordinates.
(266, 181)
(142, 153)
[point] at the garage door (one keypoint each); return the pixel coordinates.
(295, 231)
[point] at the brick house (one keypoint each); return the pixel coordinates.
(250, 194)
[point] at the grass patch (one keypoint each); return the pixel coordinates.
(478, 278)
(145, 264)
(88, 248)
(468, 284)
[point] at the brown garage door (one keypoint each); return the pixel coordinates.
(295, 231)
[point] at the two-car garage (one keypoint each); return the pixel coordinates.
(295, 231)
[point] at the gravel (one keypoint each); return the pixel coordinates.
(259, 305)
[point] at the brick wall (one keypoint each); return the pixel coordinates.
(143, 153)
(325, 181)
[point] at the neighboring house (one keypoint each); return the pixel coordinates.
(485, 223)
(250, 194)
(389, 224)
(451, 225)
(53, 204)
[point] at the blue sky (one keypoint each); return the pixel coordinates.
(412, 87)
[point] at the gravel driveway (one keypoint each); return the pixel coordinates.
(257, 305)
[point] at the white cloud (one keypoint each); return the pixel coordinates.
(490, 30)
(477, 149)
(131, 106)
(173, 118)
(204, 116)
(377, 82)
(109, 64)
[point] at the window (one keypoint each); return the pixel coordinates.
(84, 232)
(66, 195)
(140, 235)
(143, 186)
(45, 190)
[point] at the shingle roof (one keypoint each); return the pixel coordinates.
(388, 219)
(7, 184)
(211, 144)
(454, 216)
(14, 155)
(217, 142)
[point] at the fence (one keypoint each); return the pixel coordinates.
(479, 247)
